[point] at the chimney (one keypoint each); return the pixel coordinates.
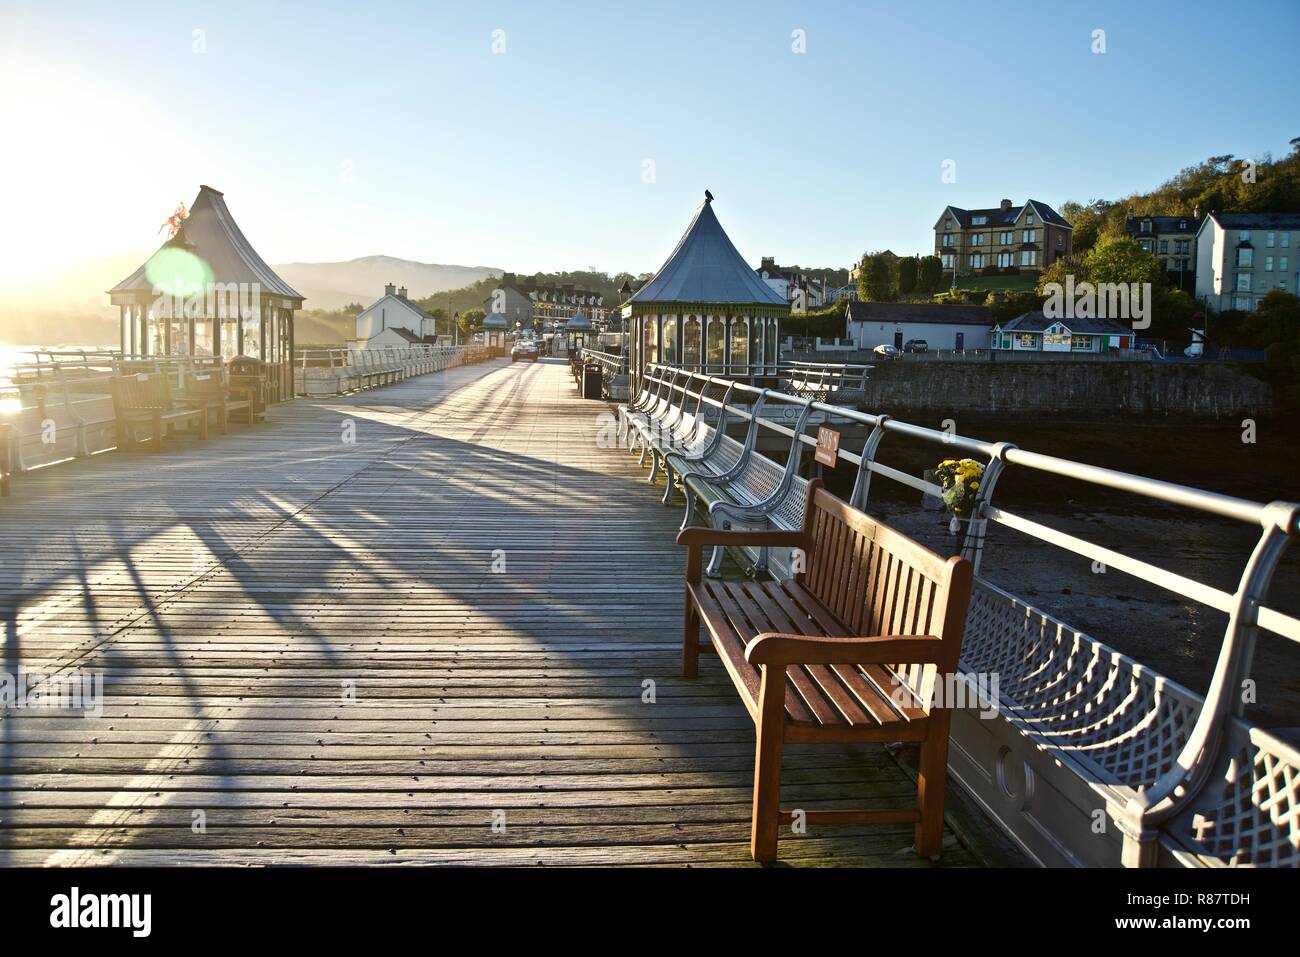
(389, 289)
(1006, 204)
(401, 293)
(768, 263)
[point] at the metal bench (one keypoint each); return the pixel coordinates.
(821, 658)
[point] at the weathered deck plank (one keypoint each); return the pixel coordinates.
(235, 593)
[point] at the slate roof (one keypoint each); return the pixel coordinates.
(705, 267)
(1005, 217)
(1161, 224)
(218, 241)
(1257, 220)
(1037, 322)
(929, 312)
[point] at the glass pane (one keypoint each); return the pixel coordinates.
(670, 340)
(651, 338)
(717, 346)
(773, 332)
(691, 342)
(739, 344)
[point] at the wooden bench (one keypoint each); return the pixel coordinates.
(210, 392)
(833, 655)
(147, 400)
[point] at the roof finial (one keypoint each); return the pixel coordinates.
(708, 197)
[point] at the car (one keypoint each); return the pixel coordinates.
(886, 351)
(524, 349)
(916, 345)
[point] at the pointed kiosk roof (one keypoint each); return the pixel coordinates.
(706, 269)
(212, 234)
(578, 323)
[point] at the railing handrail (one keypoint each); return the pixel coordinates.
(1278, 521)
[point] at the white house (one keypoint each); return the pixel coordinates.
(394, 312)
(872, 324)
(1240, 257)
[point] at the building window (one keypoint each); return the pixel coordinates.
(1007, 237)
(1146, 225)
(1241, 302)
(1028, 340)
(1029, 257)
(1029, 235)
(1270, 239)
(947, 241)
(979, 220)
(947, 260)
(1004, 260)
(1286, 240)
(977, 239)
(1268, 264)
(1281, 264)
(1164, 246)
(1243, 282)
(1029, 220)
(1245, 257)
(977, 261)
(1244, 236)
(1182, 224)
(1081, 343)
(1060, 240)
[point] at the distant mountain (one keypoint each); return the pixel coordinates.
(334, 285)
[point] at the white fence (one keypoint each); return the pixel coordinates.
(336, 371)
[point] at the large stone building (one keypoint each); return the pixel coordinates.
(1241, 257)
(1172, 240)
(526, 302)
(1030, 237)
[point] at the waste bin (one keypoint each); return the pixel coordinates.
(593, 379)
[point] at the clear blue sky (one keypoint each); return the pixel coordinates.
(347, 129)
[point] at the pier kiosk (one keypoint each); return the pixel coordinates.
(206, 292)
(705, 309)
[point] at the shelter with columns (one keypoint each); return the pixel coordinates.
(206, 292)
(705, 308)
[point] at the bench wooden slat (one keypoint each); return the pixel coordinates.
(862, 579)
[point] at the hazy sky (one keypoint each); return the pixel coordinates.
(347, 129)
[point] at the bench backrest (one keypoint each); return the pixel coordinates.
(207, 385)
(141, 393)
(877, 581)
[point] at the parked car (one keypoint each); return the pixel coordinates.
(887, 351)
(916, 345)
(524, 349)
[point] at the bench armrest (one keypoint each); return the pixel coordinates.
(774, 648)
(699, 535)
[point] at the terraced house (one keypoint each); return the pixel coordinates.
(1028, 237)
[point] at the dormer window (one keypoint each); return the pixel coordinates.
(1029, 219)
(1182, 224)
(1146, 225)
(979, 220)
(947, 224)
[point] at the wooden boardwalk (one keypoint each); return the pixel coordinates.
(312, 652)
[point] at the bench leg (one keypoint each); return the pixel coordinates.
(669, 481)
(157, 433)
(932, 778)
(765, 822)
(654, 465)
(690, 508)
(714, 568)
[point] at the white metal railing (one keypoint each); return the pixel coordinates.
(334, 371)
(1185, 779)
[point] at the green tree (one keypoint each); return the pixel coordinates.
(929, 274)
(907, 273)
(471, 320)
(878, 277)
